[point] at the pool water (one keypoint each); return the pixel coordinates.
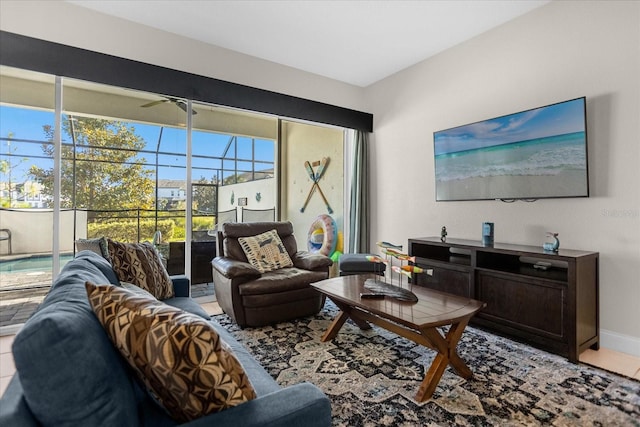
(32, 263)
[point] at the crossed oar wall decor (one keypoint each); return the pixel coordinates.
(315, 177)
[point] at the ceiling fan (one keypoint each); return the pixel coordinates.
(182, 104)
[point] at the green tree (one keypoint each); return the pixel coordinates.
(205, 196)
(7, 166)
(108, 173)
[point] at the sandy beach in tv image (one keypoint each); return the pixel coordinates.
(533, 154)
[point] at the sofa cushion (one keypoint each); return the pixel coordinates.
(262, 382)
(179, 356)
(140, 264)
(183, 303)
(70, 372)
(266, 251)
(99, 262)
(187, 304)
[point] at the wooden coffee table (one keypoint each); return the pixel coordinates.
(415, 321)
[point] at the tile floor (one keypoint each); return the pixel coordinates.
(621, 363)
(610, 360)
(7, 368)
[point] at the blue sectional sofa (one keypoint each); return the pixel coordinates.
(69, 373)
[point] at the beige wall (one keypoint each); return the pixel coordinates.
(560, 51)
(303, 142)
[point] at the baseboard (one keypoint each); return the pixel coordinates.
(619, 342)
(10, 329)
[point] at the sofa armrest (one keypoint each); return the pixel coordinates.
(302, 405)
(180, 285)
(231, 268)
(310, 261)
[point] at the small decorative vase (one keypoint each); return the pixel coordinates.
(552, 246)
(487, 233)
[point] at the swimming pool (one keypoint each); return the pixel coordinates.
(31, 263)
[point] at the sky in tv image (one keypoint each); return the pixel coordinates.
(557, 119)
(472, 161)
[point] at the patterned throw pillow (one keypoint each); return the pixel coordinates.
(140, 264)
(178, 355)
(265, 251)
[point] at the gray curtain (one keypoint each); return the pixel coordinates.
(359, 217)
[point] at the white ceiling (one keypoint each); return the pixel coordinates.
(357, 42)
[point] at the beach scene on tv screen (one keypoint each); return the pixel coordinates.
(532, 154)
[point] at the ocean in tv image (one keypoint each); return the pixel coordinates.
(533, 154)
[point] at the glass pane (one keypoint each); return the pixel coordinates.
(223, 174)
(124, 165)
(264, 151)
(239, 147)
(244, 148)
(26, 219)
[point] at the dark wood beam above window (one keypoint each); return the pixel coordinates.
(57, 59)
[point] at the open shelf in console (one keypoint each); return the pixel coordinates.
(515, 263)
(443, 253)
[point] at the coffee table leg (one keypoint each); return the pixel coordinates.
(353, 314)
(431, 380)
(335, 326)
(346, 312)
(447, 355)
(453, 336)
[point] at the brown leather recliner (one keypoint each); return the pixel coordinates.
(252, 298)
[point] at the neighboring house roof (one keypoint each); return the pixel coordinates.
(172, 183)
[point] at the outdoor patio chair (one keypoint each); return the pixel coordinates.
(223, 217)
(258, 215)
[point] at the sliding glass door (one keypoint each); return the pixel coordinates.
(121, 152)
(27, 121)
(137, 166)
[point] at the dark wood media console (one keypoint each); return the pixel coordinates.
(554, 309)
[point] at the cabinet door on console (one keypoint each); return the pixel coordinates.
(457, 282)
(537, 307)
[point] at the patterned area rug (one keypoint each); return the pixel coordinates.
(372, 377)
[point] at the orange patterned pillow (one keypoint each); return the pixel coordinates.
(178, 355)
(140, 264)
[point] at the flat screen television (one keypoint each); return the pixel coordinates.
(534, 154)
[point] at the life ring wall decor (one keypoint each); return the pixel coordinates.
(323, 235)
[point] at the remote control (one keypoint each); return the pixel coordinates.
(542, 265)
(371, 296)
